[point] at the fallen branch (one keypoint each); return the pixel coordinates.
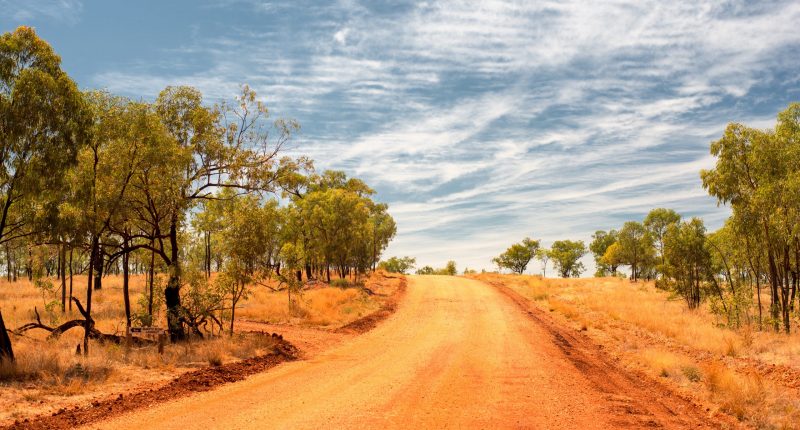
(56, 332)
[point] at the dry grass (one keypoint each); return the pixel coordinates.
(48, 375)
(326, 306)
(689, 350)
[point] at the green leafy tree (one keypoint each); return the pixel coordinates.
(688, 259)
(250, 240)
(601, 241)
(518, 255)
(43, 120)
(543, 255)
(657, 222)
(635, 247)
(757, 174)
(450, 268)
(426, 270)
(398, 264)
(566, 255)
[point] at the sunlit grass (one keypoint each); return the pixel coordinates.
(652, 330)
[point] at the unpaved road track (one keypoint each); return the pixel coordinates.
(457, 354)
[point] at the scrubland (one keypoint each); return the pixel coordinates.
(48, 375)
(750, 374)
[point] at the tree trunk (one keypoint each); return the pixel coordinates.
(172, 294)
(8, 263)
(62, 269)
(152, 276)
(125, 291)
(98, 266)
(6, 352)
(87, 325)
(70, 277)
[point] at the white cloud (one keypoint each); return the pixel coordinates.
(488, 121)
(24, 11)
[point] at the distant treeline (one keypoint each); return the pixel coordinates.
(757, 174)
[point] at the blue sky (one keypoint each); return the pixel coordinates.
(480, 123)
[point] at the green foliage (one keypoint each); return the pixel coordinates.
(426, 270)
(688, 259)
(43, 120)
(449, 269)
(518, 255)
(635, 248)
(757, 173)
(601, 241)
(566, 255)
(398, 264)
(140, 316)
(179, 181)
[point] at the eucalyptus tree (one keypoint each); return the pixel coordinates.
(250, 237)
(601, 241)
(757, 172)
(227, 146)
(566, 255)
(518, 255)
(402, 265)
(43, 119)
(657, 222)
(635, 247)
(543, 255)
(118, 142)
(688, 259)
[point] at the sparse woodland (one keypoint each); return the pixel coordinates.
(198, 199)
(748, 271)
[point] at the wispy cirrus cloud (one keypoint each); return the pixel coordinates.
(482, 123)
(23, 11)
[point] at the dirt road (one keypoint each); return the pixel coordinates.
(457, 354)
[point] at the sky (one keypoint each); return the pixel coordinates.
(479, 123)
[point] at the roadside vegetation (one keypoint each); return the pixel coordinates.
(449, 269)
(750, 374)
(714, 313)
(176, 214)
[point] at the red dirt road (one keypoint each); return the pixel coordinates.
(457, 353)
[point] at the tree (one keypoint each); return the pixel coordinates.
(543, 255)
(757, 172)
(612, 258)
(229, 146)
(250, 240)
(42, 124)
(518, 255)
(566, 255)
(688, 259)
(450, 269)
(601, 241)
(635, 247)
(656, 222)
(398, 264)
(426, 270)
